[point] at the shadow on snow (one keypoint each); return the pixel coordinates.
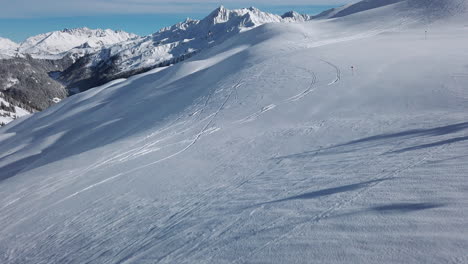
(388, 138)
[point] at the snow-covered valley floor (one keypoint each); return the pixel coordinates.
(268, 148)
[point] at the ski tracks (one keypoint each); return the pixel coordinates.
(372, 182)
(270, 107)
(142, 151)
(312, 87)
(337, 69)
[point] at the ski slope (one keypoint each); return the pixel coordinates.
(265, 149)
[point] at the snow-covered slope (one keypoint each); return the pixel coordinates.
(430, 7)
(7, 48)
(361, 6)
(188, 37)
(55, 44)
(268, 148)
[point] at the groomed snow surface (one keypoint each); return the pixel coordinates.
(268, 148)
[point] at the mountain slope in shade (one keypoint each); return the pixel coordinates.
(9, 110)
(340, 140)
(55, 44)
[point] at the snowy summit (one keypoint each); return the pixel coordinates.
(7, 48)
(189, 37)
(58, 42)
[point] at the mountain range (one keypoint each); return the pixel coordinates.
(70, 61)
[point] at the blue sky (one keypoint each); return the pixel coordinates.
(35, 20)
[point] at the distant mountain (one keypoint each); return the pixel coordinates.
(187, 37)
(28, 84)
(293, 16)
(56, 44)
(7, 48)
(28, 70)
(168, 46)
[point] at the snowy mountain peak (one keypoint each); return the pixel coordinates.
(189, 36)
(295, 16)
(219, 15)
(8, 48)
(247, 17)
(7, 44)
(58, 42)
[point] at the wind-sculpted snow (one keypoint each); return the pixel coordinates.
(332, 141)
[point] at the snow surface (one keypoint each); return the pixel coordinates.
(267, 148)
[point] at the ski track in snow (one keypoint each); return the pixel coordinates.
(338, 72)
(147, 148)
(142, 249)
(193, 142)
(372, 182)
(203, 202)
(139, 151)
(305, 92)
(297, 97)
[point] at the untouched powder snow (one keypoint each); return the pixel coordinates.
(332, 141)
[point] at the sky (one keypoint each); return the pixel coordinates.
(20, 19)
